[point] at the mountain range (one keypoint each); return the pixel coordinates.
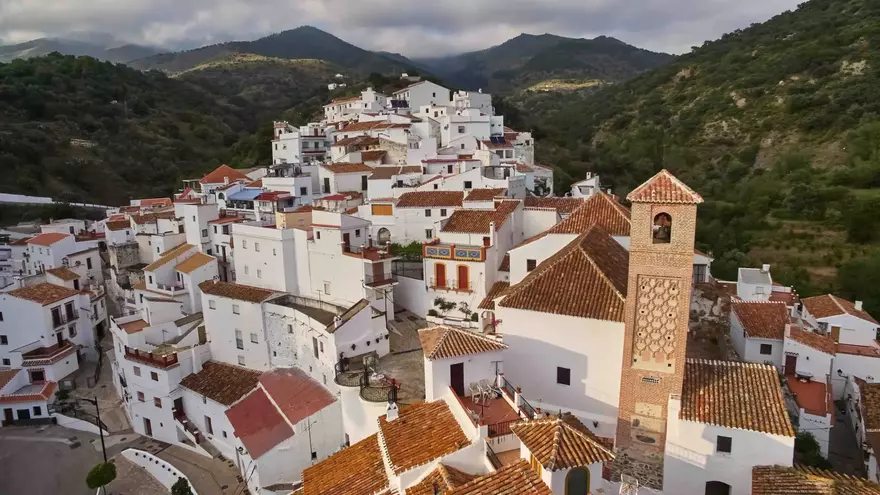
(102, 47)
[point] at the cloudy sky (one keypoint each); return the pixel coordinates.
(413, 28)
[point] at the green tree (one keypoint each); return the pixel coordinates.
(859, 279)
(181, 487)
(101, 475)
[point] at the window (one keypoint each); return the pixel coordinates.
(38, 376)
(429, 233)
(321, 346)
(212, 304)
(289, 328)
(141, 397)
(235, 309)
(137, 371)
(204, 232)
(318, 234)
(247, 270)
(461, 129)
(102, 304)
(1, 315)
(241, 360)
(326, 185)
(257, 247)
(759, 289)
(259, 273)
(239, 341)
(531, 265)
(326, 287)
(315, 346)
(357, 232)
(72, 330)
(766, 349)
(142, 298)
(273, 252)
(724, 444)
(427, 212)
(244, 243)
(563, 376)
(158, 250)
(4, 340)
(216, 248)
(89, 263)
(468, 184)
(215, 229)
(363, 183)
(6, 362)
(157, 402)
(303, 191)
(314, 456)
(577, 481)
(150, 279)
(448, 169)
(662, 229)
(442, 212)
(254, 338)
(717, 488)
(154, 376)
(37, 410)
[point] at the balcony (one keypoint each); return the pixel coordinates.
(170, 288)
(452, 252)
(151, 359)
(60, 319)
(41, 356)
(451, 285)
(380, 280)
(369, 253)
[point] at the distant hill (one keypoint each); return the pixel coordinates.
(527, 60)
(109, 50)
(304, 42)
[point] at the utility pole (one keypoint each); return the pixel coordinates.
(100, 429)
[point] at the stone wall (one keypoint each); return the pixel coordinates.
(124, 255)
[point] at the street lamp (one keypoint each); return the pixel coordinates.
(100, 430)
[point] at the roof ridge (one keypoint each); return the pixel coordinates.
(560, 255)
(596, 266)
(440, 340)
(834, 299)
(588, 438)
(557, 441)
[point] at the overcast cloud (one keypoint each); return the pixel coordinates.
(414, 28)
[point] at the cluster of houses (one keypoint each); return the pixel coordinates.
(264, 316)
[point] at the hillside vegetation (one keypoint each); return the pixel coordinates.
(775, 125)
(529, 59)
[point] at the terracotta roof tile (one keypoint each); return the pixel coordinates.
(490, 145)
(859, 350)
(226, 219)
(221, 382)
(44, 293)
(817, 341)
(169, 256)
(44, 394)
(586, 279)
(63, 273)
(348, 168)
(514, 479)
(485, 194)
(358, 141)
(505, 263)
(48, 238)
(664, 188)
(133, 327)
(448, 342)
(422, 432)
(444, 478)
(219, 175)
(762, 319)
(372, 126)
(297, 395)
(871, 404)
(561, 442)
(7, 375)
(387, 173)
(355, 470)
(430, 199)
(118, 225)
(374, 155)
(830, 305)
(599, 209)
(477, 221)
(497, 290)
(258, 424)
(194, 262)
(257, 184)
(523, 168)
(734, 395)
(236, 291)
(801, 480)
(155, 202)
(563, 206)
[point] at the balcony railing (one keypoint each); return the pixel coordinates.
(496, 462)
(150, 359)
(380, 280)
(451, 284)
(63, 318)
(169, 287)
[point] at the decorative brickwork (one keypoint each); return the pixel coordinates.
(656, 322)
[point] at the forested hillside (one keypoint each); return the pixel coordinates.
(776, 125)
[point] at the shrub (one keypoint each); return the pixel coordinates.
(101, 475)
(181, 487)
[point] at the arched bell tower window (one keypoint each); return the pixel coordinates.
(662, 228)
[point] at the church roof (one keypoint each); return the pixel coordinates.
(664, 188)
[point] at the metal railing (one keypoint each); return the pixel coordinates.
(409, 269)
(501, 428)
(170, 288)
(451, 284)
(509, 389)
(493, 458)
(62, 318)
(151, 359)
(383, 279)
(526, 408)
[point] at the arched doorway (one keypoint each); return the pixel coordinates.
(717, 488)
(577, 482)
(384, 235)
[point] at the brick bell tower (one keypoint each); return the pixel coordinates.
(661, 258)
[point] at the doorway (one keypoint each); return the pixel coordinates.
(148, 427)
(456, 378)
(8, 417)
(346, 242)
(790, 365)
(463, 282)
(24, 414)
(440, 275)
(59, 337)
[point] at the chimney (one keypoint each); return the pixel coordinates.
(765, 268)
(370, 240)
(538, 413)
(391, 412)
(788, 330)
(226, 180)
(858, 305)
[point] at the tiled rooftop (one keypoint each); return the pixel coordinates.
(448, 342)
(423, 432)
(599, 209)
(194, 262)
(664, 188)
(133, 327)
(830, 305)
(474, 221)
(497, 290)
(563, 206)
(561, 442)
(348, 168)
(169, 256)
(812, 396)
(47, 239)
(734, 395)
(484, 194)
(781, 480)
(815, 340)
(586, 279)
(859, 350)
(44, 293)
(221, 382)
(871, 404)
(297, 395)
(63, 273)
(760, 319)
(219, 175)
(258, 424)
(240, 292)
(32, 392)
(388, 172)
(118, 225)
(515, 479)
(430, 199)
(354, 470)
(444, 478)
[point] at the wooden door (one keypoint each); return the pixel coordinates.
(835, 334)
(440, 275)
(346, 240)
(148, 427)
(456, 378)
(8, 417)
(378, 272)
(790, 365)
(463, 282)
(60, 338)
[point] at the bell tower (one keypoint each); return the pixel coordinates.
(661, 258)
